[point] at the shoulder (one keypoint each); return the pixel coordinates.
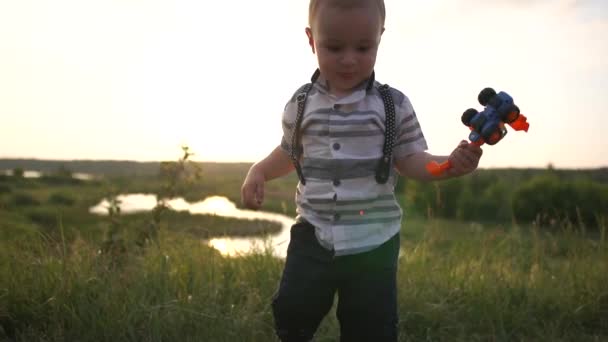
(300, 90)
(290, 109)
(399, 98)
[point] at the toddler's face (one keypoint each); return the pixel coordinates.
(346, 43)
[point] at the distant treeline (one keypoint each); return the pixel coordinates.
(134, 168)
(546, 196)
(102, 167)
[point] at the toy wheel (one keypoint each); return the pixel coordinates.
(485, 95)
(494, 138)
(468, 115)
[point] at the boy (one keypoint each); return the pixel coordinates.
(346, 238)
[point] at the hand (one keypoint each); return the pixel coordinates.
(252, 191)
(464, 159)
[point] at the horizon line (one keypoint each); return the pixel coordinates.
(549, 165)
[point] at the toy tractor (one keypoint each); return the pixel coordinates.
(487, 126)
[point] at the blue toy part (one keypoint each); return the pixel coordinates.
(474, 136)
(488, 126)
(501, 102)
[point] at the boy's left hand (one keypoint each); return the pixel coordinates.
(464, 159)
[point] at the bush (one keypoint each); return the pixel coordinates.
(24, 200)
(5, 189)
(61, 199)
(18, 172)
(59, 180)
(44, 217)
(493, 203)
(483, 197)
(548, 201)
(50, 222)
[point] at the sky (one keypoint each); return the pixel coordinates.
(138, 79)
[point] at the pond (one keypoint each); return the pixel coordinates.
(215, 205)
(38, 174)
(26, 173)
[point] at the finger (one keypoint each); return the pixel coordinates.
(469, 157)
(471, 160)
(463, 161)
(259, 192)
(249, 196)
(456, 161)
(469, 154)
(476, 150)
(462, 143)
(244, 194)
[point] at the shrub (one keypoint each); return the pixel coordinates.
(5, 189)
(23, 200)
(548, 201)
(61, 199)
(43, 216)
(18, 172)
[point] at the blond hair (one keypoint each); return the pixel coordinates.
(344, 4)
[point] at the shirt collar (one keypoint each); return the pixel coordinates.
(321, 83)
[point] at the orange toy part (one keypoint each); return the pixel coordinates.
(520, 124)
(436, 169)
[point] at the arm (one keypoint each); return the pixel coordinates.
(464, 159)
(275, 165)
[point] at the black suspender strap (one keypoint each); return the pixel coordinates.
(296, 149)
(384, 166)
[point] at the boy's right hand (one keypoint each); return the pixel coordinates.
(252, 191)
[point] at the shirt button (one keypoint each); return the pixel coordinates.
(335, 197)
(336, 217)
(336, 146)
(336, 182)
(336, 106)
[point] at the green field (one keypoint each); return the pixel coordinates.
(68, 275)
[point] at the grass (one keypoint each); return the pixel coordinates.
(504, 285)
(457, 281)
(178, 290)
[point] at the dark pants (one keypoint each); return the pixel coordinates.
(365, 283)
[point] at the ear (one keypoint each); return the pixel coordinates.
(311, 40)
(381, 32)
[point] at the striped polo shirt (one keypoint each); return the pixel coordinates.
(342, 140)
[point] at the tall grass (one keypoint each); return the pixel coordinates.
(178, 291)
(457, 282)
(504, 285)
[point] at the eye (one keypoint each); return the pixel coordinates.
(363, 48)
(334, 48)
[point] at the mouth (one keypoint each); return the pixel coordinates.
(346, 75)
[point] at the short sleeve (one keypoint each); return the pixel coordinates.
(409, 137)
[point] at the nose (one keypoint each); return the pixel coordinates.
(349, 58)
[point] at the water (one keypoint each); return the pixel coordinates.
(38, 174)
(215, 205)
(26, 173)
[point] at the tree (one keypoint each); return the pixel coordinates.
(18, 172)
